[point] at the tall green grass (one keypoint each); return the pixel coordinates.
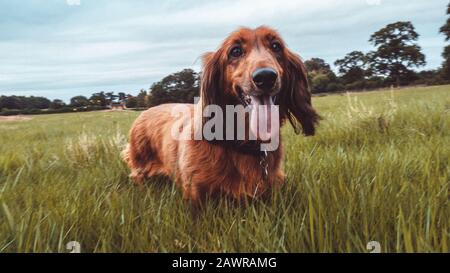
(377, 170)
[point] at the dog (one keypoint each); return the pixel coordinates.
(251, 67)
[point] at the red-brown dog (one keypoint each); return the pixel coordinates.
(252, 66)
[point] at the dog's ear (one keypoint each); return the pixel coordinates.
(212, 79)
(295, 98)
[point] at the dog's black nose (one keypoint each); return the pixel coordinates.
(265, 78)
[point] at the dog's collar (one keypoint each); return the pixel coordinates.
(246, 147)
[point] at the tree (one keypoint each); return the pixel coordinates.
(445, 29)
(180, 87)
(110, 97)
(352, 67)
(158, 95)
(35, 102)
(11, 102)
(184, 86)
(396, 51)
(57, 104)
(122, 96)
(141, 99)
(446, 66)
(131, 101)
(79, 101)
(21, 102)
(321, 77)
(317, 65)
(98, 99)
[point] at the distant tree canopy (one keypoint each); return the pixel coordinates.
(98, 99)
(79, 101)
(446, 64)
(320, 76)
(317, 65)
(22, 102)
(353, 67)
(180, 87)
(396, 52)
(111, 97)
(121, 96)
(142, 99)
(57, 104)
(131, 102)
(391, 63)
(445, 29)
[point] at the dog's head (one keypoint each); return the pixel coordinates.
(254, 66)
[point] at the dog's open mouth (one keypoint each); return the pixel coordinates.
(263, 125)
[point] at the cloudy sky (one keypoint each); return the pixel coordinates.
(62, 48)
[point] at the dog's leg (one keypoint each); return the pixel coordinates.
(279, 177)
(136, 173)
(137, 177)
(195, 198)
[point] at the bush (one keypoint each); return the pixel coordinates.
(320, 83)
(358, 85)
(334, 86)
(8, 112)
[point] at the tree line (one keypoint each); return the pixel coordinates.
(396, 53)
(180, 87)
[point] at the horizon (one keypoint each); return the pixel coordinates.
(63, 48)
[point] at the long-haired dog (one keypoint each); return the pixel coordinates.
(252, 67)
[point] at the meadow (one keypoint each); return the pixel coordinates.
(377, 170)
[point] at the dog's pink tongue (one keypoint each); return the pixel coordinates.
(261, 118)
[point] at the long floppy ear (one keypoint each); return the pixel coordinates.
(212, 79)
(295, 101)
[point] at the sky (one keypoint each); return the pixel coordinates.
(63, 48)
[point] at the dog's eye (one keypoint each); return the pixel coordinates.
(276, 47)
(236, 52)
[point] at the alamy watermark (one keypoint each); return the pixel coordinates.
(74, 247)
(374, 247)
(233, 122)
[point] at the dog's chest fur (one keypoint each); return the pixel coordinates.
(222, 169)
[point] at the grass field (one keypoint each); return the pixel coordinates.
(378, 169)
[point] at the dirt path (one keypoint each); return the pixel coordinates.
(14, 118)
